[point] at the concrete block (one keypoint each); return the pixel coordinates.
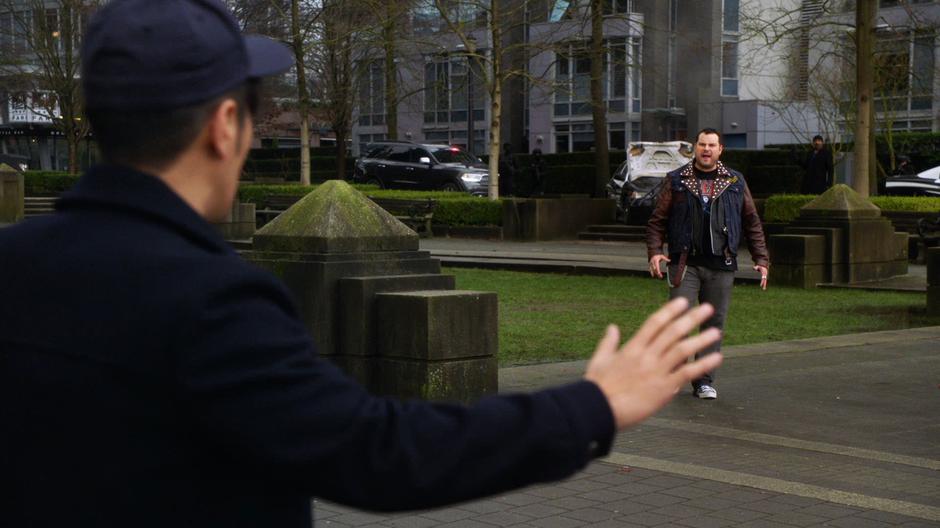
(797, 249)
(554, 218)
(437, 325)
(799, 261)
(461, 381)
(12, 189)
(357, 312)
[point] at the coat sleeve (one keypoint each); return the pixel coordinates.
(656, 226)
(256, 390)
(754, 230)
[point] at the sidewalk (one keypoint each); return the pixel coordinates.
(838, 431)
(602, 258)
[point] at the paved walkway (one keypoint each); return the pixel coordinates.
(838, 431)
(590, 257)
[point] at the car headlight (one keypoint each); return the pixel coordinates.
(472, 177)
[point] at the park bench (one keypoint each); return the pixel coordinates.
(416, 214)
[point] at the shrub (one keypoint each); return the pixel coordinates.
(786, 207)
(765, 180)
(453, 208)
(39, 183)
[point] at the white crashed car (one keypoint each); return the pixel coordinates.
(636, 181)
(926, 183)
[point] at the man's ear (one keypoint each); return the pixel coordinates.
(222, 129)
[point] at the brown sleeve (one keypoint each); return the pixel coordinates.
(754, 231)
(656, 227)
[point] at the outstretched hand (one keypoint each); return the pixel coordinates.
(646, 372)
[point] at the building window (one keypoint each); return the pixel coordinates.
(451, 90)
(617, 136)
(731, 16)
(372, 96)
(617, 7)
(904, 73)
(729, 68)
(457, 138)
(621, 78)
(635, 131)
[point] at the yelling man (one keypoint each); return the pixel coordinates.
(704, 208)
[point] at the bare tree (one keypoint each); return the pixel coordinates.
(827, 48)
(481, 27)
(42, 63)
(598, 104)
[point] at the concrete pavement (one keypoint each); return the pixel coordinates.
(837, 431)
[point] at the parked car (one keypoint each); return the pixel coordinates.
(15, 162)
(408, 165)
(926, 183)
(636, 181)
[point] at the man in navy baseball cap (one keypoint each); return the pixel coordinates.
(162, 54)
(149, 376)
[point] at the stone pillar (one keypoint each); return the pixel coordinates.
(11, 196)
(933, 281)
(339, 253)
(860, 244)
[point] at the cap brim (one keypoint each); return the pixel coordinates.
(266, 56)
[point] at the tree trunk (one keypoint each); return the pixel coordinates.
(496, 99)
(340, 153)
(391, 74)
(297, 43)
(598, 105)
(864, 34)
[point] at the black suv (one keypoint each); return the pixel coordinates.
(407, 165)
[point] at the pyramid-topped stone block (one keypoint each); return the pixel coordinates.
(840, 201)
(335, 218)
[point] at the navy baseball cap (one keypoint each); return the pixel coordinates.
(164, 54)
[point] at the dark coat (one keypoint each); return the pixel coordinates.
(151, 377)
(818, 166)
(678, 216)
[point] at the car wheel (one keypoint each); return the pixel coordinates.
(376, 182)
(451, 187)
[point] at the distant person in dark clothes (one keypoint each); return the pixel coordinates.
(538, 170)
(507, 171)
(818, 166)
(151, 377)
(904, 167)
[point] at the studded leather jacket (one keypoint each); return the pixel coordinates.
(679, 214)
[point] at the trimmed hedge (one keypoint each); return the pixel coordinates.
(39, 183)
(766, 180)
(784, 208)
(318, 163)
(257, 193)
(453, 208)
(278, 153)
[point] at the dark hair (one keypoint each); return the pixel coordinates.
(156, 138)
(820, 138)
(709, 131)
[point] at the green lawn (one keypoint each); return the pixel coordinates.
(551, 317)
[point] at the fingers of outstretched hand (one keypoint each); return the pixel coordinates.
(655, 323)
(680, 327)
(696, 369)
(690, 346)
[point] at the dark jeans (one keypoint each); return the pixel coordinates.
(703, 285)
